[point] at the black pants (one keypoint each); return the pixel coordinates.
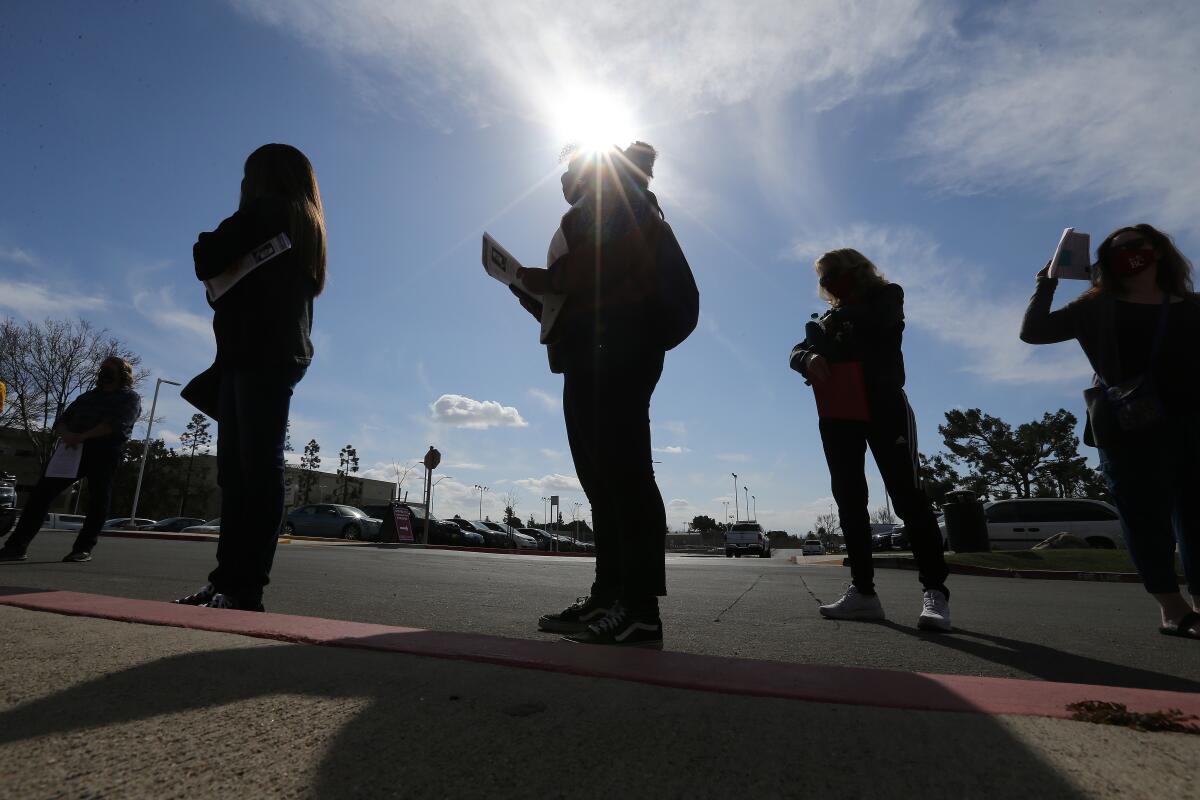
(607, 411)
(97, 465)
(253, 409)
(892, 437)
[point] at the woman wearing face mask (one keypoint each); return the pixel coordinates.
(1139, 325)
(262, 327)
(100, 421)
(861, 335)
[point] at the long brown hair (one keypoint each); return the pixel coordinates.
(1174, 275)
(283, 171)
(847, 261)
(124, 370)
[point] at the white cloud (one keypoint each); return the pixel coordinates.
(464, 412)
(158, 306)
(34, 301)
(953, 300)
(551, 483)
(736, 458)
(672, 450)
(675, 426)
(18, 255)
(551, 453)
(549, 401)
(463, 465)
(678, 57)
(1085, 98)
(678, 504)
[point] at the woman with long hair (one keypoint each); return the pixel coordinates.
(1139, 325)
(262, 326)
(853, 354)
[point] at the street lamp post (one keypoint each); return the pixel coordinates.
(747, 491)
(429, 511)
(754, 515)
(735, 505)
(481, 489)
(545, 512)
(137, 492)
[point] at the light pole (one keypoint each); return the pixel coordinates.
(725, 518)
(429, 511)
(545, 512)
(747, 491)
(754, 515)
(481, 489)
(735, 505)
(146, 447)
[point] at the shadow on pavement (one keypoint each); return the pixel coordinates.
(448, 728)
(1048, 663)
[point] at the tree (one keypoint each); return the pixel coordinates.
(310, 462)
(883, 516)
(703, 523)
(347, 466)
(532, 523)
(194, 438)
(827, 527)
(45, 366)
(287, 438)
(1015, 462)
(161, 481)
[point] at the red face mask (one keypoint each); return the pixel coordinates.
(1130, 262)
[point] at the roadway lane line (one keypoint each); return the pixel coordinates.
(816, 683)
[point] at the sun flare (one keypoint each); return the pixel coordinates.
(593, 119)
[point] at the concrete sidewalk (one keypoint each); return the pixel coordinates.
(93, 707)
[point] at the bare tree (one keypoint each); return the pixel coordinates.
(883, 516)
(46, 365)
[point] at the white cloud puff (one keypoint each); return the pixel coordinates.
(554, 482)
(34, 301)
(464, 412)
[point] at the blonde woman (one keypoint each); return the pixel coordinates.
(852, 355)
(100, 421)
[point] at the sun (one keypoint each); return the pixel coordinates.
(593, 119)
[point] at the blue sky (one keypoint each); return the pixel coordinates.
(950, 142)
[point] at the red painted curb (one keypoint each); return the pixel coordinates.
(814, 683)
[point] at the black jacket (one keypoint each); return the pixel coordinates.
(608, 278)
(266, 319)
(869, 331)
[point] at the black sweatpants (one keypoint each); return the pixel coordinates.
(607, 410)
(97, 465)
(892, 437)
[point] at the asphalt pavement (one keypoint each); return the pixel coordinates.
(1080, 632)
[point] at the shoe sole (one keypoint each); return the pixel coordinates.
(924, 624)
(870, 616)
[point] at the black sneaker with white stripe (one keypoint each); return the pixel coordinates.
(207, 592)
(623, 627)
(576, 617)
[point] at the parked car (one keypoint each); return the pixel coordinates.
(812, 547)
(1020, 524)
(212, 526)
(63, 522)
(491, 538)
(332, 521)
(172, 524)
(442, 531)
(748, 538)
(127, 524)
(516, 539)
(8, 502)
(550, 541)
(900, 539)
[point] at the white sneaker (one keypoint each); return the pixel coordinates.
(935, 614)
(854, 605)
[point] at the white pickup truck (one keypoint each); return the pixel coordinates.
(748, 538)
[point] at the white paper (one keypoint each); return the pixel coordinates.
(64, 462)
(1072, 258)
(501, 265)
(246, 264)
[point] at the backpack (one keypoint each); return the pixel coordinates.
(678, 299)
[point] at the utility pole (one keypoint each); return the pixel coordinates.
(137, 492)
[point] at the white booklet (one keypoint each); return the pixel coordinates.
(501, 265)
(246, 264)
(64, 462)
(1072, 259)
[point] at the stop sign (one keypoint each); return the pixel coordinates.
(432, 458)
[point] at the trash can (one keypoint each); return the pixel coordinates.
(966, 526)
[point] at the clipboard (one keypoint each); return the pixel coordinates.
(64, 461)
(844, 394)
(502, 266)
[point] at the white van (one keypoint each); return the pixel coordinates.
(1020, 524)
(812, 547)
(63, 522)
